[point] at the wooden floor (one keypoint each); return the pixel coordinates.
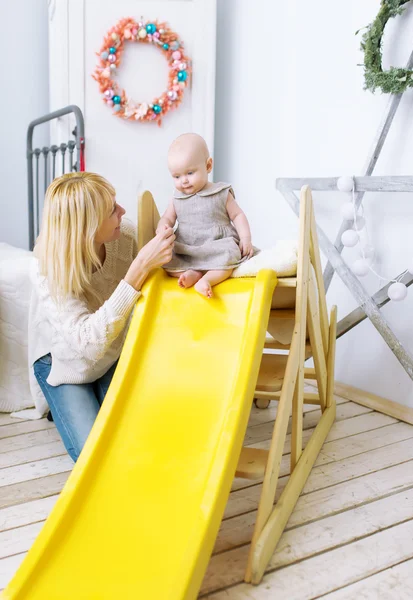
(349, 537)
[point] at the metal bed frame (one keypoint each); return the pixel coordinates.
(51, 161)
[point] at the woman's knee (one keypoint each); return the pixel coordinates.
(74, 409)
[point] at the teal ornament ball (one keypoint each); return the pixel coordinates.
(104, 55)
(112, 50)
(165, 46)
(116, 99)
(116, 107)
(157, 109)
(175, 45)
(182, 75)
(150, 28)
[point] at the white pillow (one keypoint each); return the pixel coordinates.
(15, 287)
(282, 259)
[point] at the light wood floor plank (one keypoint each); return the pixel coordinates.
(8, 566)
(27, 513)
(35, 470)
(345, 495)
(327, 572)
(28, 490)
(320, 504)
(28, 440)
(324, 476)
(6, 419)
(258, 416)
(259, 433)
(24, 427)
(395, 583)
(297, 544)
(358, 424)
(355, 466)
(338, 449)
(15, 541)
(40, 452)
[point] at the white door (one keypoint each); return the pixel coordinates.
(132, 155)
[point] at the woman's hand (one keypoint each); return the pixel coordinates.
(154, 254)
(158, 251)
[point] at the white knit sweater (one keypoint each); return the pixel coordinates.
(83, 344)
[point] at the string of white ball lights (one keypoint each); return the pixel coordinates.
(397, 291)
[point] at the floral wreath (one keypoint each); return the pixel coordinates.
(150, 32)
(395, 80)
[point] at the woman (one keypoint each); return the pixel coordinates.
(85, 285)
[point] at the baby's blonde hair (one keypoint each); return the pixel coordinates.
(75, 206)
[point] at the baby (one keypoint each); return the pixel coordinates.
(213, 235)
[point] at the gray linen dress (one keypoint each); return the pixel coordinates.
(205, 238)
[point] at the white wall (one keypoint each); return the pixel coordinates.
(133, 155)
(24, 97)
(290, 102)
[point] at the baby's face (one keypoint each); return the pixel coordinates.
(189, 172)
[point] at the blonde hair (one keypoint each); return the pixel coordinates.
(75, 206)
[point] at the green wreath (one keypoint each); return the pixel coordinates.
(395, 80)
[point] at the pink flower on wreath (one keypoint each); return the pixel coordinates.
(141, 111)
(130, 108)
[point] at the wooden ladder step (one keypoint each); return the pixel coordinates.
(272, 370)
(308, 397)
(287, 282)
(271, 344)
(271, 377)
(280, 328)
(283, 313)
(252, 463)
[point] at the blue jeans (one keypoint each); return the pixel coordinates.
(74, 407)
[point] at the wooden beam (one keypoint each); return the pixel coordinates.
(319, 356)
(381, 298)
(276, 448)
(318, 273)
(277, 521)
(387, 407)
(385, 183)
(302, 312)
(331, 358)
(355, 287)
(309, 398)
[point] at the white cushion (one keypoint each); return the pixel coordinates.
(282, 259)
(15, 288)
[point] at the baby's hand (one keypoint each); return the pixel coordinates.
(162, 227)
(245, 245)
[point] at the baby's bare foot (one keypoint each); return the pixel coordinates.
(187, 279)
(204, 287)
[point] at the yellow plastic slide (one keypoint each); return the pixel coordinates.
(139, 515)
